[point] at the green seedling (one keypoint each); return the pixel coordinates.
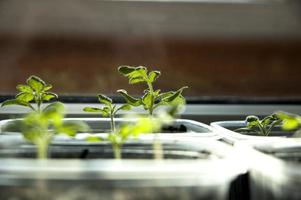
(261, 127)
(152, 98)
(290, 122)
(40, 128)
(127, 131)
(36, 91)
(108, 110)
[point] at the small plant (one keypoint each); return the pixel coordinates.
(108, 110)
(143, 125)
(290, 122)
(36, 91)
(152, 98)
(261, 127)
(40, 128)
(127, 131)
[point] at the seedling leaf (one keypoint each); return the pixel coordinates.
(24, 88)
(105, 111)
(15, 102)
(25, 96)
(92, 109)
(174, 95)
(147, 100)
(153, 76)
(72, 127)
(48, 96)
(130, 100)
(125, 107)
(36, 83)
(125, 70)
(47, 87)
(93, 138)
(104, 99)
(137, 79)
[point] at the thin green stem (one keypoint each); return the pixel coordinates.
(262, 130)
(42, 150)
(38, 100)
(117, 151)
(157, 148)
(112, 114)
(112, 123)
(151, 91)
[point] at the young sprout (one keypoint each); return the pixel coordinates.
(36, 91)
(143, 125)
(261, 127)
(40, 128)
(127, 131)
(152, 98)
(290, 122)
(108, 110)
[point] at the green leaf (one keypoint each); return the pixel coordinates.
(92, 109)
(25, 96)
(72, 127)
(54, 109)
(105, 111)
(174, 95)
(147, 100)
(125, 107)
(15, 102)
(24, 88)
(36, 83)
(290, 124)
(93, 138)
(129, 99)
(47, 87)
(48, 96)
(252, 121)
(153, 76)
(270, 119)
(138, 79)
(165, 95)
(105, 100)
(126, 69)
(135, 74)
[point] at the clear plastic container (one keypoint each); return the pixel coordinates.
(275, 169)
(192, 169)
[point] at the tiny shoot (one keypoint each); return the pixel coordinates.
(109, 109)
(36, 91)
(261, 127)
(152, 98)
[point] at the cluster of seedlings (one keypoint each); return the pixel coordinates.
(45, 121)
(264, 127)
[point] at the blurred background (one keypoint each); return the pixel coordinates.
(230, 48)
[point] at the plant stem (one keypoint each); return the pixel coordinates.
(157, 148)
(112, 123)
(39, 102)
(42, 148)
(262, 130)
(151, 91)
(117, 151)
